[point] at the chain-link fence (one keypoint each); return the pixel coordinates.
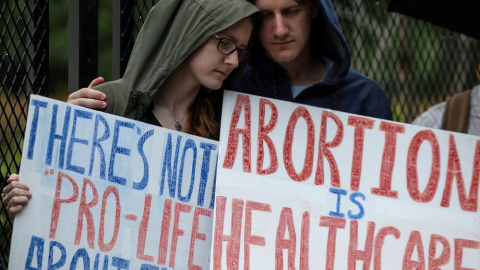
(23, 71)
(417, 64)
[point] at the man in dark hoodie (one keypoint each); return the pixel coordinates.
(302, 56)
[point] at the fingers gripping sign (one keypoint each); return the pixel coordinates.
(89, 97)
(15, 196)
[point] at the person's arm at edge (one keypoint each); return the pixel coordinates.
(15, 196)
(431, 118)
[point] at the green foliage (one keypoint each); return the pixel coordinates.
(59, 45)
(415, 62)
(6, 168)
(105, 39)
(398, 114)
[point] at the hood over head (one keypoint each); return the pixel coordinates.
(172, 30)
(326, 40)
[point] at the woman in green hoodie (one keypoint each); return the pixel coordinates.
(184, 52)
(178, 40)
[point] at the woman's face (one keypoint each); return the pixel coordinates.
(208, 66)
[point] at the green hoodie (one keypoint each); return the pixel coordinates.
(172, 30)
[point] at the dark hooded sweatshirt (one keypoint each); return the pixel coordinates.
(172, 30)
(342, 89)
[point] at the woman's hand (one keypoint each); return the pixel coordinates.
(16, 196)
(88, 97)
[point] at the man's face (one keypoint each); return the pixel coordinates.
(285, 32)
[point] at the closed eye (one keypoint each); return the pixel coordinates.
(291, 11)
(267, 14)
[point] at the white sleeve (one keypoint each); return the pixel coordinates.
(432, 117)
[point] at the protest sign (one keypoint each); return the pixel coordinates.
(300, 187)
(112, 193)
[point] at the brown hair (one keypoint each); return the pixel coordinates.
(204, 119)
(312, 3)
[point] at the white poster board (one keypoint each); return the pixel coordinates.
(300, 187)
(112, 193)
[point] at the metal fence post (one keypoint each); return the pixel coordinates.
(123, 35)
(82, 43)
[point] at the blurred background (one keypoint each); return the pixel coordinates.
(417, 63)
(58, 79)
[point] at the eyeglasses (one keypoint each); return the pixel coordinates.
(227, 47)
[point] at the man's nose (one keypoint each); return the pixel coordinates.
(280, 28)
